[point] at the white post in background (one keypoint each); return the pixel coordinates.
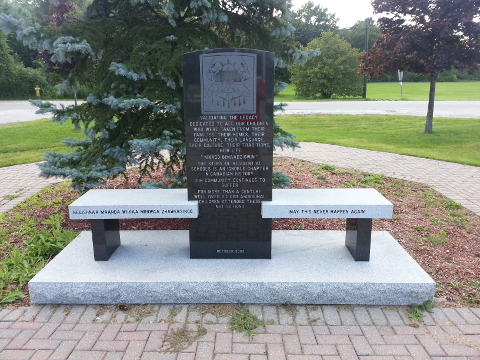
(400, 77)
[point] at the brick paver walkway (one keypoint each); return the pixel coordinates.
(18, 183)
(291, 332)
(461, 183)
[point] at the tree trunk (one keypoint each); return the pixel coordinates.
(75, 94)
(431, 103)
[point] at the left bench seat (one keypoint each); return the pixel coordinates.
(103, 207)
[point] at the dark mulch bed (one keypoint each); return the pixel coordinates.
(443, 238)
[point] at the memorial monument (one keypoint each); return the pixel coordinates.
(229, 134)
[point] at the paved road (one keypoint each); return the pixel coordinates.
(450, 109)
(446, 109)
(17, 111)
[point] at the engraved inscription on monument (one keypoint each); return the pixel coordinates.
(227, 171)
(229, 136)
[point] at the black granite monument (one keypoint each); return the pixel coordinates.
(229, 135)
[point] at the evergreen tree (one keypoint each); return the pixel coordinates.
(133, 49)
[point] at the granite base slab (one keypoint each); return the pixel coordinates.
(307, 267)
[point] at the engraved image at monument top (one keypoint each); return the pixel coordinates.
(228, 83)
(229, 136)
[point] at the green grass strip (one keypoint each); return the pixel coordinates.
(417, 91)
(26, 142)
(445, 91)
(455, 140)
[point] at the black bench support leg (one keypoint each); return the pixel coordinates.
(105, 237)
(358, 238)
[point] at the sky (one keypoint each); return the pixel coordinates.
(348, 11)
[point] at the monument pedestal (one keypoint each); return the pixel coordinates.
(307, 267)
(228, 115)
(230, 233)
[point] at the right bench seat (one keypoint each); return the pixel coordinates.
(358, 206)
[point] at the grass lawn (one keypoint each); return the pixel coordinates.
(456, 140)
(453, 91)
(26, 142)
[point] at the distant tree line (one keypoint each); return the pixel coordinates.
(395, 44)
(17, 80)
(22, 69)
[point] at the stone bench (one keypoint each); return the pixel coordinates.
(104, 207)
(357, 206)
